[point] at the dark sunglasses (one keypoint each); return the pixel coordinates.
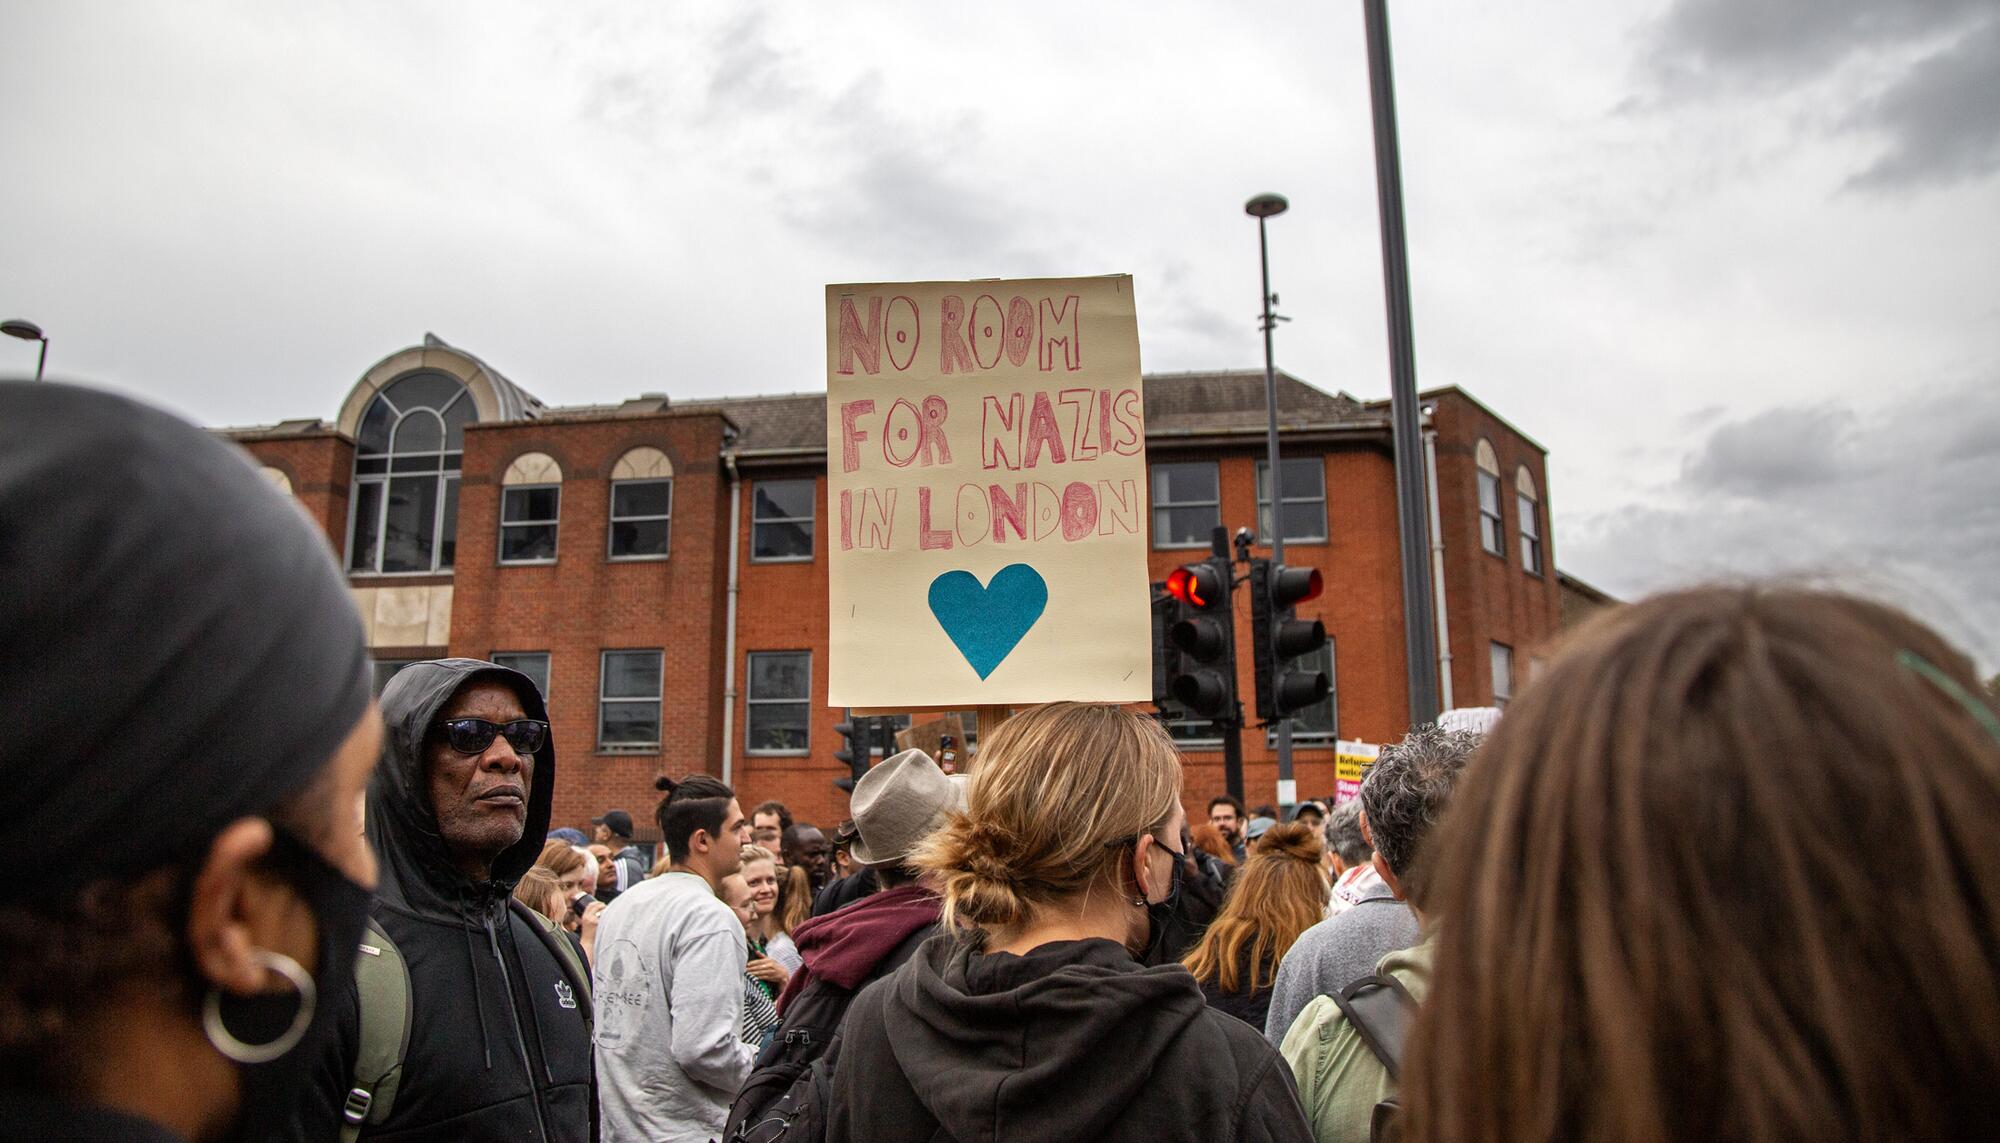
(474, 735)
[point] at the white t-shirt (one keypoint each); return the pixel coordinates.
(668, 983)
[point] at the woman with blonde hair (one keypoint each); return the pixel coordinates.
(1729, 869)
(1279, 892)
(1037, 1021)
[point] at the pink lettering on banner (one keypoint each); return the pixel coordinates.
(1079, 511)
(1104, 399)
(846, 520)
(928, 538)
(1131, 414)
(1043, 433)
(1054, 322)
(987, 329)
(996, 426)
(856, 341)
(1079, 405)
(878, 518)
(903, 333)
(1020, 330)
(934, 446)
(1048, 511)
(954, 356)
(1009, 511)
(902, 433)
(851, 437)
(1118, 507)
(975, 514)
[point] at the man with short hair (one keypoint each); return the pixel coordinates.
(1403, 796)
(1225, 813)
(1349, 860)
(806, 846)
(607, 871)
(768, 823)
(499, 1035)
(669, 972)
(614, 832)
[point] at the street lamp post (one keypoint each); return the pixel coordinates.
(28, 331)
(1262, 207)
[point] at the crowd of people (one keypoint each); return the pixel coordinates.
(1729, 869)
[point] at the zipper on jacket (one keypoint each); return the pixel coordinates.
(514, 1021)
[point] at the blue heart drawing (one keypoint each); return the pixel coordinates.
(987, 623)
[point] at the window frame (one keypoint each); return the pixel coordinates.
(751, 701)
(554, 523)
(1498, 653)
(1154, 505)
(1262, 481)
(612, 520)
(1486, 463)
(448, 471)
(811, 520)
(604, 674)
(1528, 521)
(541, 684)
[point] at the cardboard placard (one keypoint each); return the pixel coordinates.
(986, 457)
(1350, 764)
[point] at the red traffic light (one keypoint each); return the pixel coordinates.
(1292, 586)
(1196, 585)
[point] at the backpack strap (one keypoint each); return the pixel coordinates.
(565, 953)
(382, 978)
(1380, 1010)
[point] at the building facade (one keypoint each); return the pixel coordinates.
(660, 566)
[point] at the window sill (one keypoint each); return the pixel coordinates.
(1501, 556)
(400, 576)
(781, 559)
(659, 559)
(1197, 546)
(627, 751)
(778, 753)
(525, 563)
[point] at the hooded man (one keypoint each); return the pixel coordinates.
(499, 1033)
(614, 832)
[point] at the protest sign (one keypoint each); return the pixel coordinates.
(986, 458)
(1350, 764)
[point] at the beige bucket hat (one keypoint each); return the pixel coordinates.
(898, 803)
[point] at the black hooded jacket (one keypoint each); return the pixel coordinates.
(1075, 1040)
(498, 1046)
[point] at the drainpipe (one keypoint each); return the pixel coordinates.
(729, 624)
(1437, 570)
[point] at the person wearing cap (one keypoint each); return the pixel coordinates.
(614, 832)
(499, 1015)
(184, 673)
(896, 805)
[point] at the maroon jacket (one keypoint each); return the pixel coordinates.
(854, 945)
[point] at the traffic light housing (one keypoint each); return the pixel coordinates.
(856, 735)
(1279, 638)
(1202, 674)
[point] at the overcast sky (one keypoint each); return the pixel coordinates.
(1735, 263)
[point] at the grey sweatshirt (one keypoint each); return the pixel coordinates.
(1333, 954)
(669, 985)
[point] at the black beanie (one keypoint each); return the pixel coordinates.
(178, 648)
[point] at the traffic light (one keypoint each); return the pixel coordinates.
(1166, 656)
(1204, 680)
(1277, 638)
(856, 735)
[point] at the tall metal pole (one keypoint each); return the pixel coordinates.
(1418, 621)
(1287, 788)
(41, 359)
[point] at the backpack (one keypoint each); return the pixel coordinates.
(787, 1094)
(1380, 1010)
(382, 977)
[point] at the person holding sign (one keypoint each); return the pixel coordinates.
(1037, 1021)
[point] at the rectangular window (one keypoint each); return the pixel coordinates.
(1531, 535)
(641, 515)
(409, 532)
(781, 521)
(1189, 729)
(1503, 673)
(779, 702)
(628, 703)
(385, 669)
(1304, 495)
(1318, 724)
(534, 664)
(528, 515)
(367, 530)
(1489, 513)
(1187, 504)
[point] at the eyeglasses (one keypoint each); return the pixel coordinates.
(474, 735)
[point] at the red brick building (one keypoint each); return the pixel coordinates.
(660, 565)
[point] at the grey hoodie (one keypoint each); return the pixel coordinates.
(1075, 1040)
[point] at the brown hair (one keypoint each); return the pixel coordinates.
(1279, 893)
(1208, 839)
(560, 858)
(1056, 789)
(1660, 916)
(795, 899)
(535, 888)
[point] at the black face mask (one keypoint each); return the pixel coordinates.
(340, 907)
(1160, 914)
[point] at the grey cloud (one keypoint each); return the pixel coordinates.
(1942, 119)
(1769, 43)
(1898, 502)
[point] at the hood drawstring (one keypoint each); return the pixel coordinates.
(478, 994)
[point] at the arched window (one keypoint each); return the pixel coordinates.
(1528, 505)
(1489, 498)
(404, 515)
(530, 507)
(642, 505)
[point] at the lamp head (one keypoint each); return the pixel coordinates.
(1266, 205)
(25, 330)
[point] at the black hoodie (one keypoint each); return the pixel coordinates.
(1074, 1040)
(498, 1046)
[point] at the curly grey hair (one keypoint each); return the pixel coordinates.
(1343, 833)
(1405, 793)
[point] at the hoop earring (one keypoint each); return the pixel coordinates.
(226, 1042)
